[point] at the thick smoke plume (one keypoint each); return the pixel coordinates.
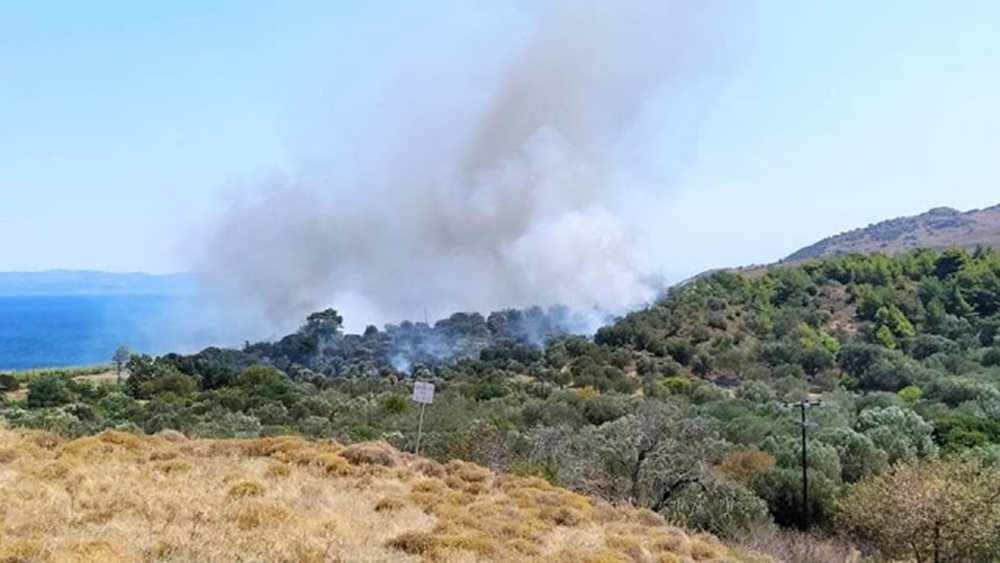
(513, 201)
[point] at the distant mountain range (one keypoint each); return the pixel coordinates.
(938, 228)
(69, 282)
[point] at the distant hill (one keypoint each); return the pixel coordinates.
(69, 282)
(938, 228)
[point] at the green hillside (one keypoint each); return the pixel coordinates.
(678, 408)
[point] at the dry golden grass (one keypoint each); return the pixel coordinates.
(117, 497)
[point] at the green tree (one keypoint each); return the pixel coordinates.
(901, 433)
(120, 359)
(141, 370)
(859, 456)
(911, 394)
(261, 377)
(885, 337)
(327, 321)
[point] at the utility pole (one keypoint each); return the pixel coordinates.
(803, 424)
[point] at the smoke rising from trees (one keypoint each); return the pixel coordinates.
(516, 199)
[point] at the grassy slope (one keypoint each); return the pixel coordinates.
(119, 497)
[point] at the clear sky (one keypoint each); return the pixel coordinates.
(125, 125)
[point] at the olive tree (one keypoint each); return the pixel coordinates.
(642, 458)
(932, 511)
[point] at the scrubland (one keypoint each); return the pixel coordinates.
(121, 497)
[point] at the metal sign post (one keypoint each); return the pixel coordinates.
(423, 393)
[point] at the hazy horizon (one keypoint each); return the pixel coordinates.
(584, 151)
(679, 275)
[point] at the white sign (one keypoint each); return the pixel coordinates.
(423, 392)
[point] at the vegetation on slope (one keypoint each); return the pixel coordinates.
(120, 497)
(677, 408)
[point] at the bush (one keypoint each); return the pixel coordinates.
(246, 488)
(781, 489)
(48, 391)
(376, 453)
(605, 408)
(543, 470)
(260, 376)
(743, 466)
(727, 510)
(677, 385)
(991, 358)
(902, 434)
(8, 383)
(396, 404)
(911, 394)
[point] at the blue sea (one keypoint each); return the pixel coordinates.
(67, 330)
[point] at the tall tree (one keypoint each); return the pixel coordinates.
(120, 359)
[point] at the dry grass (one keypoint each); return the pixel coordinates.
(791, 546)
(117, 497)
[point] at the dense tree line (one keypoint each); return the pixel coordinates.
(677, 407)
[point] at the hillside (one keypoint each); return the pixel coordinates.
(937, 229)
(681, 408)
(117, 497)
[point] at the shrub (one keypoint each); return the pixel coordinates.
(725, 509)
(277, 471)
(414, 543)
(902, 434)
(396, 404)
(430, 468)
(991, 358)
(48, 391)
(246, 488)
(255, 515)
(390, 504)
(173, 466)
(677, 385)
(781, 488)
(744, 465)
(261, 377)
(8, 382)
(332, 464)
(543, 469)
(374, 453)
(468, 472)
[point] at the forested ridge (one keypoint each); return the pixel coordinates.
(679, 408)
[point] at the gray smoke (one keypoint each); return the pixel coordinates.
(515, 201)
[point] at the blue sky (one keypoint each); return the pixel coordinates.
(124, 126)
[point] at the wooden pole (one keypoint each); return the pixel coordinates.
(420, 427)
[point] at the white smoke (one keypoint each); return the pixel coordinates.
(518, 205)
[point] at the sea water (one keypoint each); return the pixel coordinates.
(67, 330)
